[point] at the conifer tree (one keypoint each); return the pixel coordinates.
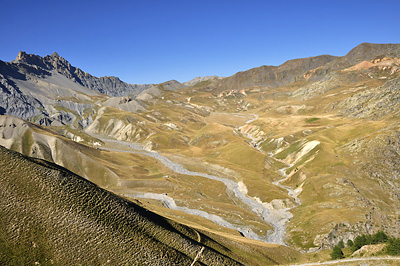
(337, 253)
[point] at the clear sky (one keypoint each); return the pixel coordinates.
(152, 41)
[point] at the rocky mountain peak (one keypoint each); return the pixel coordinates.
(59, 63)
(21, 55)
(31, 59)
(367, 51)
(172, 85)
(53, 61)
(27, 58)
(55, 54)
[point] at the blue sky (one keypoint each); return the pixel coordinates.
(152, 41)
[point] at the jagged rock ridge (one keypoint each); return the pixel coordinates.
(112, 86)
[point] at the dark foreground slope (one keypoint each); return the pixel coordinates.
(51, 216)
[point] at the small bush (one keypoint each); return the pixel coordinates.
(359, 241)
(312, 119)
(337, 253)
(394, 246)
(379, 237)
(350, 243)
(340, 244)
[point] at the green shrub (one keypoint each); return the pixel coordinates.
(394, 246)
(359, 241)
(312, 119)
(379, 237)
(350, 243)
(337, 253)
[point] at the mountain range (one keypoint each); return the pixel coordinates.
(272, 165)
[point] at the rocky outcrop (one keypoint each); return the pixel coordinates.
(374, 103)
(125, 103)
(14, 102)
(342, 231)
(112, 86)
(328, 82)
(28, 102)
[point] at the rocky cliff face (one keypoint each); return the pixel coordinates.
(14, 102)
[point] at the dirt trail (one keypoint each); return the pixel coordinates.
(339, 262)
(197, 256)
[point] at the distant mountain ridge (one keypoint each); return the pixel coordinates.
(273, 76)
(299, 69)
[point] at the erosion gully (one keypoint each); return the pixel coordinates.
(277, 218)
